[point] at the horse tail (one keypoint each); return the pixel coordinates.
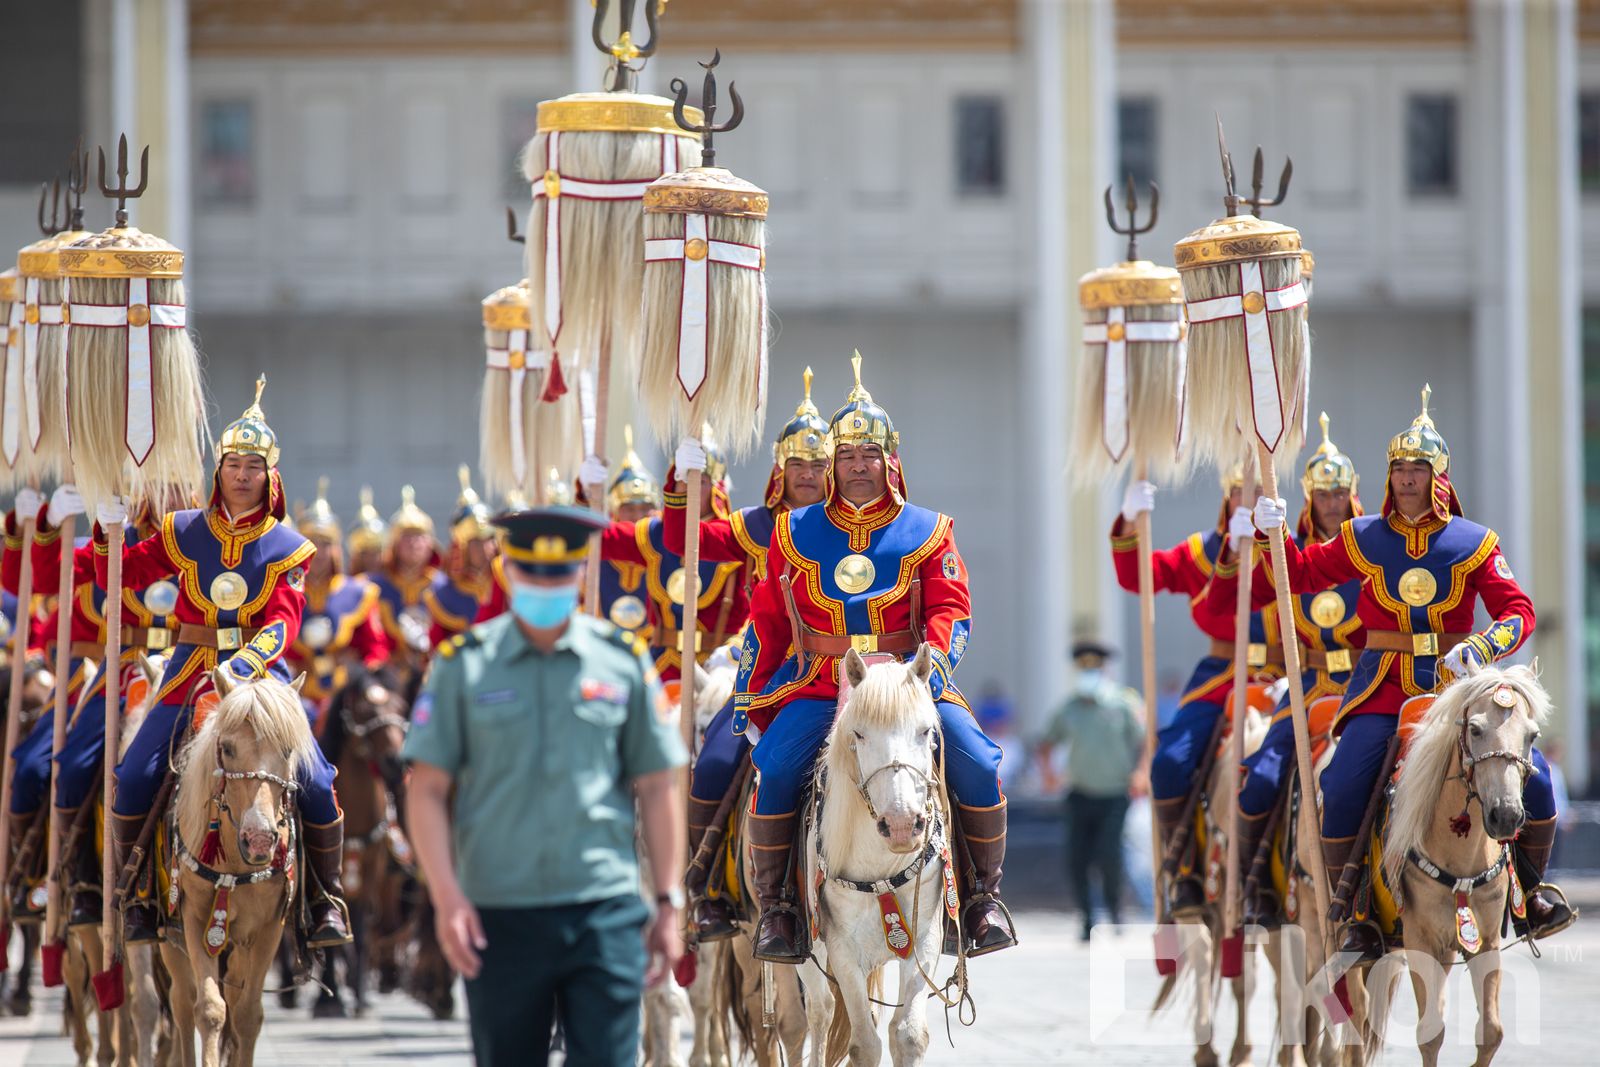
(838, 1043)
(1169, 985)
(730, 1004)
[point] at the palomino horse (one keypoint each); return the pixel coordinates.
(237, 872)
(1474, 744)
(875, 868)
(1202, 935)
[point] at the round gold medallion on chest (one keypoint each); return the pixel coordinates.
(229, 590)
(317, 632)
(677, 583)
(1418, 587)
(854, 574)
(1327, 609)
(627, 612)
(161, 598)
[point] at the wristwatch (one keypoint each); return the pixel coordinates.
(672, 898)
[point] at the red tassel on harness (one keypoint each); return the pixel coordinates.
(1461, 825)
(211, 844)
(1167, 949)
(1233, 954)
(555, 384)
(51, 957)
(5, 943)
(108, 987)
(685, 970)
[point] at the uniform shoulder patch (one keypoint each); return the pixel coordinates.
(952, 566)
(297, 579)
(1502, 568)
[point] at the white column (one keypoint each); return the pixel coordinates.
(123, 87)
(175, 179)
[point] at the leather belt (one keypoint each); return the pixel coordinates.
(1332, 661)
(898, 643)
(673, 639)
(154, 638)
(223, 639)
(1409, 644)
(1257, 655)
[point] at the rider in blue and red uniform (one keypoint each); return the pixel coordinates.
(468, 576)
(862, 569)
(1423, 567)
(241, 579)
(408, 571)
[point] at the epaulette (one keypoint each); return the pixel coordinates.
(465, 639)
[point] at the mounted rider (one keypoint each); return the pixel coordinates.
(366, 538)
(862, 569)
(241, 578)
(1330, 633)
(801, 459)
(468, 581)
(1422, 567)
(632, 496)
(409, 570)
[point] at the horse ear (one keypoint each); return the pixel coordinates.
(922, 666)
(701, 679)
(1534, 667)
(223, 681)
(300, 680)
(855, 668)
(147, 668)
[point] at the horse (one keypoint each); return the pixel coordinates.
(233, 836)
(1450, 872)
(38, 685)
(1201, 959)
(874, 861)
(362, 732)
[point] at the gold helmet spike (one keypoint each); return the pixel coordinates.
(470, 520)
(1232, 478)
(1421, 442)
(861, 421)
(557, 490)
(319, 520)
(805, 436)
(409, 518)
(632, 483)
(369, 530)
(1328, 468)
(249, 434)
(716, 459)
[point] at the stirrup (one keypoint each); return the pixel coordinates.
(327, 934)
(1009, 930)
(1555, 891)
(801, 951)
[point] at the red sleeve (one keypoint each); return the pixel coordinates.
(370, 642)
(1314, 567)
(11, 556)
(717, 541)
(1508, 606)
(279, 620)
(766, 640)
(1222, 593)
(1177, 569)
(946, 607)
(143, 563)
(617, 542)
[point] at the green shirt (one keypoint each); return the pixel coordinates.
(1106, 734)
(543, 749)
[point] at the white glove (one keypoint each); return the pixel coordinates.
(111, 511)
(592, 471)
(1269, 513)
(1241, 527)
(1276, 690)
(27, 503)
(64, 503)
(1140, 497)
(1461, 660)
(691, 456)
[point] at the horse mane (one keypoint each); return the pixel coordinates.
(265, 709)
(717, 691)
(1432, 751)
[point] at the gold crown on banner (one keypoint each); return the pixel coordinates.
(613, 113)
(508, 309)
(1136, 283)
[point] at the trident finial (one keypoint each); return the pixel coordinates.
(511, 226)
(366, 496)
(1231, 201)
(122, 194)
(50, 225)
(855, 365)
(708, 106)
(1133, 229)
(77, 183)
(621, 75)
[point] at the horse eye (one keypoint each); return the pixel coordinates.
(227, 749)
(858, 735)
(1477, 731)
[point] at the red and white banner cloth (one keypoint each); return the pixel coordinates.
(138, 317)
(1254, 304)
(1116, 333)
(696, 251)
(25, 395)
(556, 187)
(516, 359)
(11, 416)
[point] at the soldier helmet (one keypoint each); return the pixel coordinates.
(805, 436)
(409, 518)
(471, 519)
(369, 531)
(249, 434)
(1421, 442)
(319, 520)
(632, 482)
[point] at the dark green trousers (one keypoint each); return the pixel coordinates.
(583, 962)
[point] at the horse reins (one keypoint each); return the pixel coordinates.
(1461, 824)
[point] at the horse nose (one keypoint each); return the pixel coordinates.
(921, 823)
(883, 827)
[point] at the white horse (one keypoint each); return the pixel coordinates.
(1475, 743)
(874, 860)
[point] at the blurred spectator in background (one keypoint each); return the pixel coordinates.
(1169, 694)
(1102, 724)
(1554, 754)
(997, 717)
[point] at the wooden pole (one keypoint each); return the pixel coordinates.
(1147, 641)
(1233, 904)
(1310, 828)
(58, 738)
(597, 496)
(688, 638)
(113, 672)
(19, 658)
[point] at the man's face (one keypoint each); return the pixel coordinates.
(861, 472)
(706, 485)
(1330, 508)
(364, 560)
(414, 549)
(636, 512)
(803, 480)
(480, 553)
(243, 480)
(322, 564)
(1410, 486)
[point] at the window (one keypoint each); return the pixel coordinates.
(1432, 145)
(1136, 140)
(1589, 142)
(980, 146)
(519, 122)
(227, 153)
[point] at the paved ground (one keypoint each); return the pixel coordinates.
(1052, 1000)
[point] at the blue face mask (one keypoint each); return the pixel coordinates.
(544, 606)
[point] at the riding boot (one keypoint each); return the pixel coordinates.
(1361, 937)
(330, 917)
(27, 905)
(710, 918)
(1547, 909)
(1186, 897)
(778, 932)
(1261, 906)
(985, 922)
(84, 881)
(140, 924)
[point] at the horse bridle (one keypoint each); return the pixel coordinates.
(1469, 762)
(224, 776)
(893, 767)
(359, 730)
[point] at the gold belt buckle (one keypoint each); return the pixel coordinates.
(229, 639)
(1256, 654)
(1424, 644)
(1339, 660)
(864, 644)
(158, 638)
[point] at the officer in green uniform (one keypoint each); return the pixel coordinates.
(548, 725)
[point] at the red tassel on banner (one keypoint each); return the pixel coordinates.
(555, 383)
(5, 943)
(1233, 954)
(1167, 950)
(687, 967)
(51, 957)
(108, 987)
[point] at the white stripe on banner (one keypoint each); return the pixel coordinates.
(694, 312)
(1114, 423)
(138, 317)
(11, 418)
(500, 359)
